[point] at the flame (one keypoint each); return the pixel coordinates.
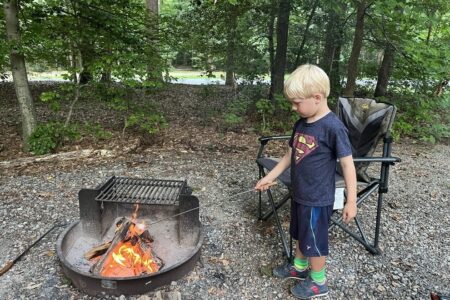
(130, 260)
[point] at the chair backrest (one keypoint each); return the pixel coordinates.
(367, 121)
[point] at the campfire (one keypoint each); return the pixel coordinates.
(111, 251)
(128, 254)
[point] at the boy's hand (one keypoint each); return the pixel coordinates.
(349, 212)
(264, 184)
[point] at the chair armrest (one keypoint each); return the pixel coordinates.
(265, 139)
(390, 160)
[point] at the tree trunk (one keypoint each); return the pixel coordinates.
(106, 77)
(276, 86)
(384, 71)
(330, 62)
(231, 45)
(352, 69)
(86, 58)
(152, 7)
(18, 68)
(271, 47)
(305, 34)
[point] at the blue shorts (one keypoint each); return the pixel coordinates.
(309, 226)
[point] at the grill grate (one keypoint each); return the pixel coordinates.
(144, 191)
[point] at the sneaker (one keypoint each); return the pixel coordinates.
(289, 271)
(308, 289)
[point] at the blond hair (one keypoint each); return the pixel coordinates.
(306, 81)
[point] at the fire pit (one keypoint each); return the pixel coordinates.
(176, 240)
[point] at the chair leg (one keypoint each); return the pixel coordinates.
(378, 220)
(361, 237)
(278, 223)
(277, 206)
(361, 232)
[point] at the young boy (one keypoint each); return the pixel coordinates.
(319, 138)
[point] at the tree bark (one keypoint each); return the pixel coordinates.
(85, 45)
(152, 7)
(231, 47)
(352, 69)
(276, 86)
(330, 62)
(271, 47)
(384, 71)
(19, 71)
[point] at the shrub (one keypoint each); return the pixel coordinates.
(47, 137)
(423, 118)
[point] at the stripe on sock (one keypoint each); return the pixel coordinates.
(300, 263)
(319, 277)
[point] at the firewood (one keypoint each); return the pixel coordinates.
(146, 246)
(146, 236)
(97, 250)
(120, 236)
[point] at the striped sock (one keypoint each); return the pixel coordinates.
(319, 276)
(300, 264)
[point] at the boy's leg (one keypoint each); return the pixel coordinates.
(299, 267)
(316, 284)
(300, 261)
(314, 244)
(318, 270)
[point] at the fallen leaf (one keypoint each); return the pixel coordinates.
(33, 286)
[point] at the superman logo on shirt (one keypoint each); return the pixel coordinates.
(303, 145)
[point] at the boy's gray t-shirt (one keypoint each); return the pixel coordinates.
(315, 148)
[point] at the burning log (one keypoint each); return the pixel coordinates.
(97, 250)
(128, 254)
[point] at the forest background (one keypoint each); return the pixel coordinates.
(121, 56)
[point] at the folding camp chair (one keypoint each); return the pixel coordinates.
(368, 122)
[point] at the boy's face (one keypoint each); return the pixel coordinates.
(306, 107)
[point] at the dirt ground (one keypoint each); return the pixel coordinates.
(239, 250)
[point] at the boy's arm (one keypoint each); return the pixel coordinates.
(282, 165)
(348, 170)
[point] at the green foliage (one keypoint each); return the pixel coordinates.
(52, 98)
(426, 119)
(142, 115)
(119, 39)
(235, 114)
(264, 107)
(275, 115)
(137, 113)
(207, 111)
(151, 122)
(232, 120)
(96, 131)
(49, 136)
(237, 110)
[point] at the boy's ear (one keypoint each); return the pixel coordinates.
(317, 98)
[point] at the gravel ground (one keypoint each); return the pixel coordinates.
(239, 251)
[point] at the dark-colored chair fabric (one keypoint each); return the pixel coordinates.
(368, 122)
